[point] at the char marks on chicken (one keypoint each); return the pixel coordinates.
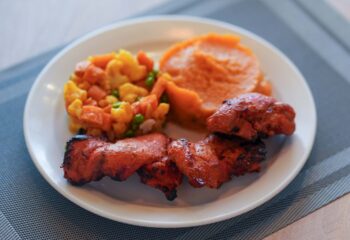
(251, 116)
(213, 160)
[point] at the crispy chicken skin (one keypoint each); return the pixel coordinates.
(89, 159)
(240, 156)
(252, 115)
(213, 160)
(163, 175)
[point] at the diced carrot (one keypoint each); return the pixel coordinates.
(151, 100)
(102, 60)
(90, 102)
(107, 109)
(145, 105)
(143, 59)
(107, 122)
(159, 87)
(92, 116)
(93, 74)
(81, 67)
(96, 93)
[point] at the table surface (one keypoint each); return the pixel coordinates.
(35, 26)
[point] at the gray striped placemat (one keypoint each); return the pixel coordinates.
(31, 209)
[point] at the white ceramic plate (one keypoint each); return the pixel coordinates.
(45, 129)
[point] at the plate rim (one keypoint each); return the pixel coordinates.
(198, 222)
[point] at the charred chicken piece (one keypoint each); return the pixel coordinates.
(240, 156)
(163, 175)
(212, 161)
(89, 159)
(199, 163)
(252, 115)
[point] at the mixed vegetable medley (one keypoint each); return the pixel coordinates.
(117, 95)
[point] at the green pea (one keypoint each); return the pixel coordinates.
(116, 105)
(138, 119)
(129, 133)
(151, 78)
(149, 81)
(115, 93)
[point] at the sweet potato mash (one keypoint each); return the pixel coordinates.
(207, 70)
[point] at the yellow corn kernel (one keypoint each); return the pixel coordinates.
(131, 67)
(118, 80)
(75, 108)
(72, 92)
(161, 111)
(120, 115)
(128, 89)
(119, 128)
(111, 99)
(131, 97)
(114, 67)
(123, 114)
(74, 125)
(114, 75)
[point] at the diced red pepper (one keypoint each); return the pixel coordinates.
(107, 109)
(90, 102)
(92, 116)
(93, 74)
(96, 93)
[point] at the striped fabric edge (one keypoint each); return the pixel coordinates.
(314, 36)
(290, 214)
(331, 20)
(6, 229)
